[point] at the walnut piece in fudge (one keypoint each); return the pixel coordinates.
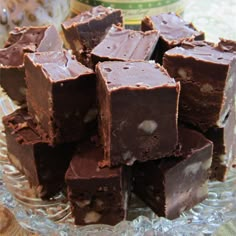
(21, 41)
(172, 29)
(61, 95)
(138, 104)
(43, 165)
(86, 30)
(207, 76)
(224, 151)
(97, 196)
(124, 44)
(172, 185)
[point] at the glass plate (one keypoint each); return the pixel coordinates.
(53, 217)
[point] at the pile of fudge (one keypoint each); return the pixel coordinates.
(150, 112)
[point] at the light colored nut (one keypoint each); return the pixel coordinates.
(206, 164)
(127, 155)
(83, 203)
(183, 74)
(22, 91)
(229, 83)
(92, 217)
(148, 126)
(206, 88)
(99, 202)
(91, 115)
(193, 168)
(202, 191)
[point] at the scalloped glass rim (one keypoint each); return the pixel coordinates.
(54, 216)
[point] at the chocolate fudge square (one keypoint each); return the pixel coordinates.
(172, 185)
(207, 81)
(44, 166)
(173, 30)
(124, 44)
(84, 31)
(97, 196)
(224, 151)
(24, 40)
(61, 95)
(138, 104)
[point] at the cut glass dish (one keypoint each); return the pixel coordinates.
(54, 217)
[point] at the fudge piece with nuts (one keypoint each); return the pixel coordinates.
(224, 151)
(124, 44)
(138, 104)
(21, 41)
(61, 95)
(33, 156)
(84, 31)
(97, 196)
(174, 184)
(173, 30)
(207, 75)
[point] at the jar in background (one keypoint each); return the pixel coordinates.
(18, 13)
(134, 10)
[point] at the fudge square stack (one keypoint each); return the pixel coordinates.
(61, 95)
(24, 40)
(142, 148)
(207, 74)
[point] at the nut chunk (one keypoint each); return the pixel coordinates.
(97, 196)
(174, 184)
(138, 104)
(24, 40)
(61, 95)
(207, 75)
(43, 165)
(173, 30)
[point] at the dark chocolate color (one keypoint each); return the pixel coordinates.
(61, 95)
(124, 44)
(173, 30)
(21, 41)
(43, 165)
(97, 195)
(207, 76)
(224, 140)
(174, 184)
(86, 30)
(138, 111)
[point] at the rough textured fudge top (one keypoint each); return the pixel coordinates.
(58, 66)
(84, 165)
(124, 44)
(28, 39)
(141, 74)
(21, 124)
(172, 27)
(96, 13)
(203, 51)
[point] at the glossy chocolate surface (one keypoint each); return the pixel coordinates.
(21, 41)
(177, 183)
(51, 77)
(33, 156)
(97, 195)
(172, 29)
(86, 30)
(207, 76)
(130, 126)
(124, 44)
